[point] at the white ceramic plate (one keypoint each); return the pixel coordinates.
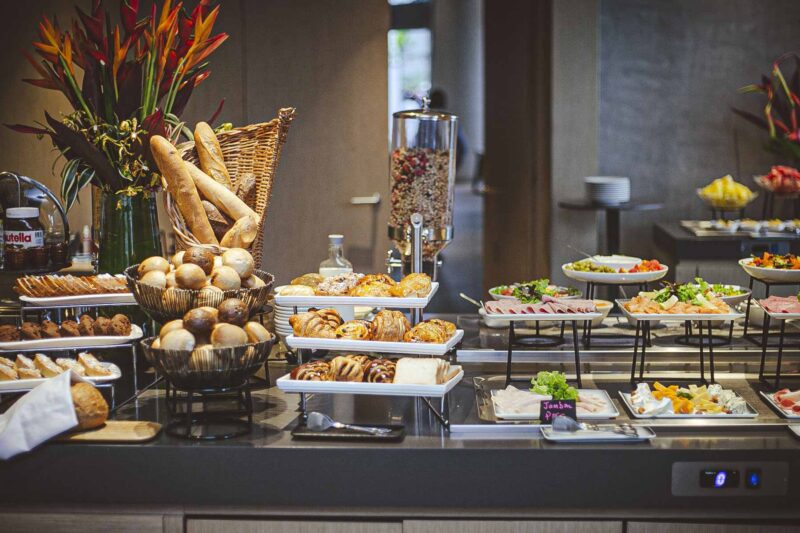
(332, 301)
(626, 397)
(287, 384)
(28, 384)
(785, 414)
(614, 277)
(73, 342)
(645, 434)
(497, 296)
(769, 274)
(88, 299)
(778, 316)
(667, 317)
(609, 412)
(540, 317)
(348, 345)
(794, 428)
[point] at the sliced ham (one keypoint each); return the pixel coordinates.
(781, 304)
(547, 306)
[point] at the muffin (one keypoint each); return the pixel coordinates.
(85, 325)
(9, 333)
(29, 330)
(49, 329)
(120, 326)
(101, 326)
(69, 328)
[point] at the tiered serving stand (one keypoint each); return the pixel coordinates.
(769, 278)
(782, 319)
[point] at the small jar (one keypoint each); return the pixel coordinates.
(23, 237)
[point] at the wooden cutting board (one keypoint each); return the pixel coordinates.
(116, 431)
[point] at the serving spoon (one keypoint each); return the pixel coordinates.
(320, 422)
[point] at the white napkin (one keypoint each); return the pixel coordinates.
(44, 412)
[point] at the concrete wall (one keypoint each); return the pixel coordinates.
(325, 57)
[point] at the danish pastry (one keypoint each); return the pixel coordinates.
(46, 366)
(310, 324)
(338, 285)
(359, 358)
(373, 288)
(426, 332)
(331, 316)
(389, 326)
(416, 285)
(448, 327)
(354, 329)
(310, 280)
(385, 279)
(380, 371)
(345, 369)
(313, 371)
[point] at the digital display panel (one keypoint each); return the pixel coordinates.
(719, 479)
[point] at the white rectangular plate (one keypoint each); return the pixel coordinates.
(773, 403)
(626, 397)
(540, 317)
(372, 301)
(27, 384)
(73, 342)
(287, 384)
(87, 299)
(645, 434)
(609, 412)
(778, 316)
(794, 428)
(348, 345)
(667, 317)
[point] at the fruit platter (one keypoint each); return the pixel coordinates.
(674, 401)
(591, 270)
(781, 181)
(773, 267)
(725, 193)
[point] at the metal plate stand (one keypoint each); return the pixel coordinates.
(758, 340)
(591, 287)
(514, 340)
(643, 330)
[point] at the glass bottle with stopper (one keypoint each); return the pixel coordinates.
(336, 263)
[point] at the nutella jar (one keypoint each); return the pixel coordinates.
(23, 237)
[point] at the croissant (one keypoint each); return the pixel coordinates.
(344, 369)
(416, 285)
(448, 327)
(331, 316)
(354, 329)
(389, 326)
(359, 358)
(380, 371)
(313, 371)
(374, 288)
(310, 324)
(426, 332)
(384, 279)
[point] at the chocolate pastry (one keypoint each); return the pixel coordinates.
(49, 329)
(355, 330)
(313, 371)
(85, 325)
(29, 330)
(120, 326)
(9, 333)
(101, 326)
(344, 369)
(69, 328)
(380, 371)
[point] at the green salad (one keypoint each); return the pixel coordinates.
(553, 384)
(696, 293)
(531, 292)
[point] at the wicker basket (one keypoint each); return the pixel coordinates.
(254, 149)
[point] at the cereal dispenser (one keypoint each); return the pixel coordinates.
(422, 174)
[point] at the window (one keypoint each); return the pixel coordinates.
(409, 43)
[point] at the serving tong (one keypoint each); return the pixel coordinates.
(570, 425)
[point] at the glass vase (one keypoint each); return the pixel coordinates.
(129, 231)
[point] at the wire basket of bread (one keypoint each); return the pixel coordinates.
(210, 347)
(218, 187)
(168, 288)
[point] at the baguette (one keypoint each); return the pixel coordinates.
(218, 195)
(246, 188)
(182, 188)
(219, 222)
(242, 234)
(210, 155)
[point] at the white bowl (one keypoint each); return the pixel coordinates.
(632, 321)
(614, 277)
(605, 307)
(769, 274)
(615, 261)
(756, 313)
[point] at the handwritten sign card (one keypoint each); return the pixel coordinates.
(550, 409)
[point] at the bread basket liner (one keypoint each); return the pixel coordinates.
(253, 149)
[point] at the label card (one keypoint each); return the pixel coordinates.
(550, 409)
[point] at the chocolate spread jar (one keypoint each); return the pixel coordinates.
(24, 239)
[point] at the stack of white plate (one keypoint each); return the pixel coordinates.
(282, 314)
(608, 190)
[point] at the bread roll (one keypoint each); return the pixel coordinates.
(90, 406)
(242, 234)
(217, 194)
(210, 154)
(181, 186)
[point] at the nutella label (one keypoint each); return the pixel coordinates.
(24, 239)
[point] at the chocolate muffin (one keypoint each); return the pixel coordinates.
(85, 325)
(69, 328)
(9, 333)
(49, 329)
(30, 331)
(120, 326)
(101, 326)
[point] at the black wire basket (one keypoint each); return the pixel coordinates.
(208, 367)
(168, 304)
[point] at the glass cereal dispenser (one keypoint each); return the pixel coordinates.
(422, 175)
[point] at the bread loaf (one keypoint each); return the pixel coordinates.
(218, 195)
(181, 186)
(219, 222)
(210, 155)
(246, 188)
(242, 234)
(90, 406)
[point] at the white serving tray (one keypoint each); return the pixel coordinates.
(770, 274)
(86, 299)
(16, 385)
(348, 345)
(667, 317)
(612, 278)
(287, 384)
(610, 412)
(777, 316)
(86, 341)
(626, 397)
(372, 301)
(778, 408)
(794, 428)
(645, 434)
(540, 317)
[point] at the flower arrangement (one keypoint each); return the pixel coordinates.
(137, 79)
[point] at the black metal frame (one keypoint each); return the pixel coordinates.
(781, 341)
(760, 340)
(644, 326)
(182, 424)
(587, 326)
(513, 340)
